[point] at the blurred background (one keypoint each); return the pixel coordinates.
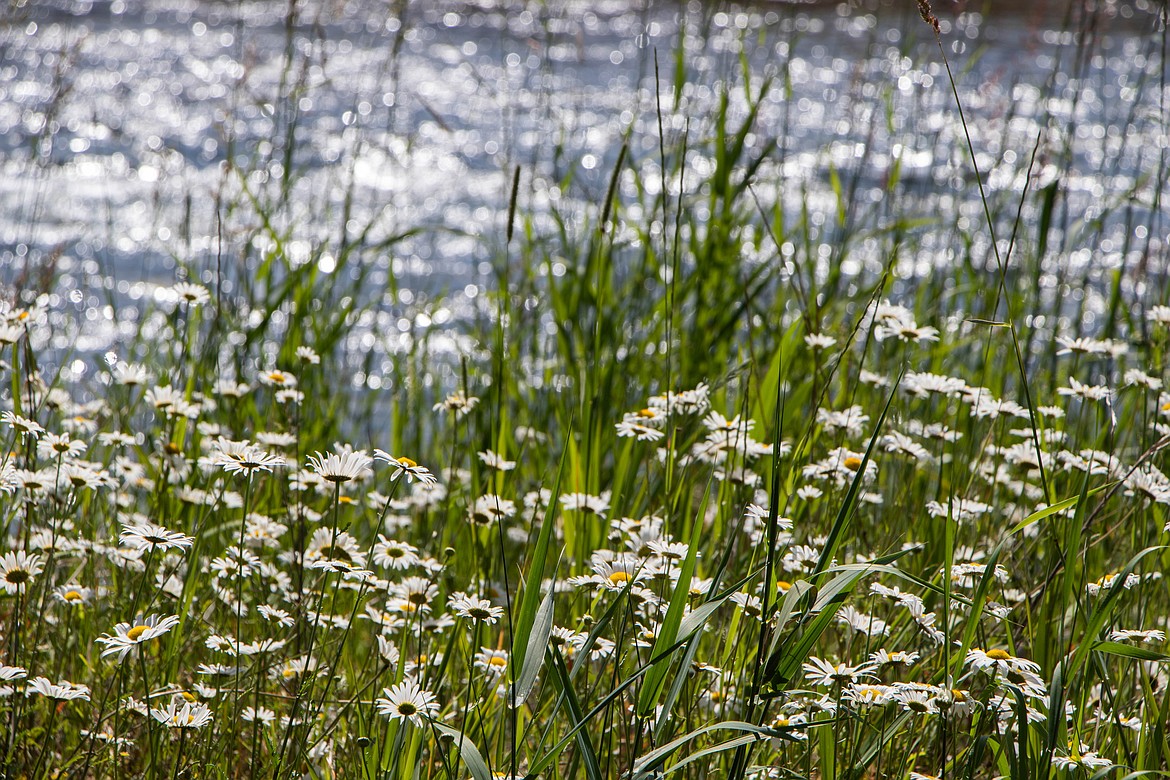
(144, 142)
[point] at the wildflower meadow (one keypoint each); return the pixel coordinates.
(711, 477)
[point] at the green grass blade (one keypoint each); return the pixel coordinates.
(467, 750)
(531, 599)
(560, 677)
(538, 636)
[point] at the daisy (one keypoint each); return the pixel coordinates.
(17, 569)
(308, 355)
(149, 536)
(694, 401)
(959, 510)
(289, 396)
(62, 691)
(11, 479)
(633, 427)
(74, 595)
(491, 508)
(1137, 378)
(916, 700)
(165, 398)
(809, 492)
(1159, 315)
(885, 657)
(1087, 392)
(127, 636)
(12, 672)
(394, 554)
(341, 468)
(191, 294)
(263, 715)
(583, 502)
(923, 385)
(1109, 580)
(407, 701)
(1081, 758)
(59, 445)
(819, 341)
(1135, 635)
(338, 551)
(180, 714)
(417, 591)
(458, 403)
(275, 439)
(474, 608)
(751, 604)
(10, 334)
(410, 468)
(230, 388)
(612, 575)
(130, 374)
(275, 615)
(866, 695)
(494, 662)
(821, 672)
(902, 444)
(278, 378)
(495, 461)
(243, 456)
(22, 425)
(860, 622)
(999, 661)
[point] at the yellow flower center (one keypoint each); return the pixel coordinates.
(405, 461)
(618, 577)
(495, 660)
(276, 377)
(998, 655)
(136, 632)
(72, 595)
(189, 696)
(853, 463)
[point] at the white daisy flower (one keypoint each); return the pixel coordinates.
(127, 636)
(407, 701)
(149, 536)
(341, 468)
(180, 714)
(62, 691)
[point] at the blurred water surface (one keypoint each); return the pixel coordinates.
(135, 136)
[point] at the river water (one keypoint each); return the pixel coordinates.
(134, 134)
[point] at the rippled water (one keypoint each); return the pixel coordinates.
(118, 122)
